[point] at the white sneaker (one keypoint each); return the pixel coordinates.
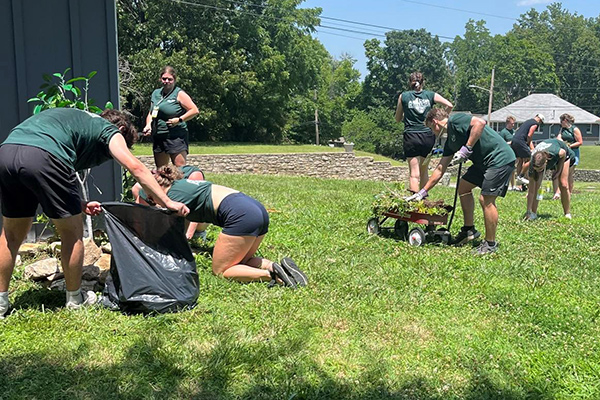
(89, 299)
(530, 216)
(4, 310)
(568, 216)
(522, 180)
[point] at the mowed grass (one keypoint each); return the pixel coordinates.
(145, 149)
(379, 320)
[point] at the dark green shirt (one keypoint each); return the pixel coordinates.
(168, 107)
(568, 134)
(416, 105)
(507, 134)
(77, 138)
(196, 195)
(187, 170)
(490, 151)
(553, 147)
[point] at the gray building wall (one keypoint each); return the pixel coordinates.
(42, 37)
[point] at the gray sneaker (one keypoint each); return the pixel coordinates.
(485, 248)
(465, 236)
(292, 270)
(522, 180)
(89, 299)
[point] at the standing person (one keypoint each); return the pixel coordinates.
(571, 135)
(522, 145)
(170, 108)
(38, 161)
(245, 223)
(413, 106)
(552, 154)
(507, 134)
(469, 138)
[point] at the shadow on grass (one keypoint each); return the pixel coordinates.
(34, 298)
(231, 369)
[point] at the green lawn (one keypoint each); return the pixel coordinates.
(590, 157)
(380, 319)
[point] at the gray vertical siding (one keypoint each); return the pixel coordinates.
(42, 37)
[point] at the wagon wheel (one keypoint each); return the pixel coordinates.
(401, 229)
(373, 226)
(416, 236)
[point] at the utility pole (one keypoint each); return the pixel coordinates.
(317, 120)
(491, 98)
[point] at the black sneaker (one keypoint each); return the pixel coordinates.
(279, 272)
(465, 236)
(292, 270)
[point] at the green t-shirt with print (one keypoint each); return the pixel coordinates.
(490, 151)
(507, 134)
(568, 134)
(553, 147)
(168, 107)
(77, 138)
(416, 105)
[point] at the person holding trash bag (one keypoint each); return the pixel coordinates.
(552, 154)
(469, 138)
(38, 161)
(245, 222)
(413, 106)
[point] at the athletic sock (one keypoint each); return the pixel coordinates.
(3, 303)
(467, 228)
(74, 296)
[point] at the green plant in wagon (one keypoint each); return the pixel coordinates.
(393, 201)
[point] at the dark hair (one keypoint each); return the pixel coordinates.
(167, 174)
(416, 81)
(167, 69)
(568, 117)
(435, 113)
(122, 121)
(538, 159)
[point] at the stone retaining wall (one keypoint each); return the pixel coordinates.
(321, 165)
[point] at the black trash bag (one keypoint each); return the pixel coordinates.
(152, 267)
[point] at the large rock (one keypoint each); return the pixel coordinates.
(90, 273)
(31, 249)
(103, 264)
(61, 285)
(107, 248)
(91, 252)
(43, 270)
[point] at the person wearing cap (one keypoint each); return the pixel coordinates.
(418, 141)
(522, 145)
(469, 138)
(551, 154)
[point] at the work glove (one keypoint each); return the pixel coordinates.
(461, 155)
(420, 195)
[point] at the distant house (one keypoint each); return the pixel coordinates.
(552, 107)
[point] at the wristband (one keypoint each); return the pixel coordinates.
(180, 120)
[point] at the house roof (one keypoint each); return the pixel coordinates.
(550, 105)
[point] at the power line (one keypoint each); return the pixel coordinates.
(460, 10)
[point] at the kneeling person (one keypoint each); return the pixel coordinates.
(245, 223)
(469, 138)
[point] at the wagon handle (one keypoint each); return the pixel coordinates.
(455, 196)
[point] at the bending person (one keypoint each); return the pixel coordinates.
(244, 221)
(571, 135)
(413, 106)
(469, 138)
(170, 108)
(522, 144)
(552, 154)
(193, 229)
(38, 161)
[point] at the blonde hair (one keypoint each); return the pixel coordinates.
(567, 117)
(511, 118)
(437, 114)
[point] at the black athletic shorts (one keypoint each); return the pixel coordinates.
(241, 215)
(170, 144)
(30, 176)
(418, 143)
(521, 149)
(492, 181)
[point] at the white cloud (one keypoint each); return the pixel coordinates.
(532, 2)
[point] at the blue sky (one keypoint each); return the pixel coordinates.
(428, 14)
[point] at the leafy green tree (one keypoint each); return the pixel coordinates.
(391, 64)
(375, 131)
(240, 62)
